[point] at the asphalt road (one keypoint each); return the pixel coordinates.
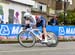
(63, 48)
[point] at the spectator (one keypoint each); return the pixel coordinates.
(1, 22)
(7, 23)
(54, 21)
(16, 18)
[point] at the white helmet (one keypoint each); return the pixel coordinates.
(27, 15)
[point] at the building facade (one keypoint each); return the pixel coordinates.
(46, 8)
(70, 5)
(10, 7)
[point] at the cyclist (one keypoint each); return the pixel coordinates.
(29, 20)
(41, 21)
(32, 20)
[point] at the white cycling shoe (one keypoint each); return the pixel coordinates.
(44, 41)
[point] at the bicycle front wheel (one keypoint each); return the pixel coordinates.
(26, 39)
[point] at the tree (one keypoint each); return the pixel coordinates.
(70, 18)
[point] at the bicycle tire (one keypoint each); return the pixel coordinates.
(54, 37)
(24, 44)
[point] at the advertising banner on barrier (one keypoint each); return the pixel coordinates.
(67, 30)
(62, 30)
(15, 29)
(10, 29)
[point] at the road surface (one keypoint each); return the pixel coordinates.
(63, 48)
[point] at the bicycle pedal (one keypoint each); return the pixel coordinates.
(43, 42)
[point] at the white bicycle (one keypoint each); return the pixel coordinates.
(28, 38)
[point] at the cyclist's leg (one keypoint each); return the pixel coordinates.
(44, 30)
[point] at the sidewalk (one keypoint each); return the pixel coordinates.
(4, 41)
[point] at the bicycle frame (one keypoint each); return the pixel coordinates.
(36, 35)
(32, 33)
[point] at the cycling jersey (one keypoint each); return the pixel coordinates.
(42, 21)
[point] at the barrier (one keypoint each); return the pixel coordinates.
(10, 30)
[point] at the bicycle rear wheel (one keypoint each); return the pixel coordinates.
(26, 39)
(52, 39)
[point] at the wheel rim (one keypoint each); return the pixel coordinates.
(26, 39)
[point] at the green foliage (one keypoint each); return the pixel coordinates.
(1, 10)
(61, 17)
(70, 18)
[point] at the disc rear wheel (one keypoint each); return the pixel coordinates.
(52, 40)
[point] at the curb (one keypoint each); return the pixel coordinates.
(16, 41)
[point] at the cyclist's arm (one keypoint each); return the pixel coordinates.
(33, 21)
